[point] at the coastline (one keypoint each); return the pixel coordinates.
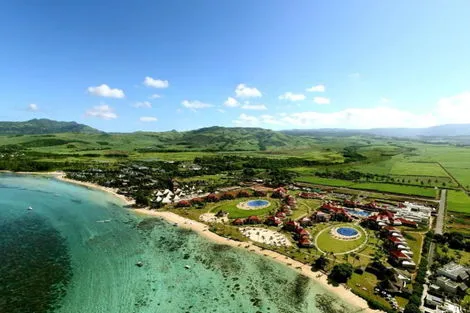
(203, 230)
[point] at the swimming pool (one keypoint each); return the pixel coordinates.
(347, 231)
(257, 203)
(358, 212)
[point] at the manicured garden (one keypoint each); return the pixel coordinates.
(230, 206)
(327, 243)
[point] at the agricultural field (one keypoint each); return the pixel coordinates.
(458, 201)
(398, 189)
(417, 169)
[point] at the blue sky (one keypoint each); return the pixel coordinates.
(162, 65)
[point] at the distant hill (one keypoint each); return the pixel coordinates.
(450, 130)
(222, 139)
(44, 126)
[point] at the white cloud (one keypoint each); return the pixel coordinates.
(155, 96)
(102, 111)
(355, 75)
(194, 105)
(105, 91)
(142, 104)
(248, 106)
(231, 102)
(292, 96)
(148, 119)
(243, 91)
(321, 100)
(454, 109)
(32, 107)
(155, 83)
(316, 88)
(246, 120)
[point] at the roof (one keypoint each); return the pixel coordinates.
(394, 239)
(454, 270)
(398, 254)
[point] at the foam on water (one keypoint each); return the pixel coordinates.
(98, 259)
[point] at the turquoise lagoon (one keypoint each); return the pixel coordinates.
(62, 256)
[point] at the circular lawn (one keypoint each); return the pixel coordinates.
(326, 242)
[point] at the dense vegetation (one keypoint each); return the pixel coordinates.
(43, 126)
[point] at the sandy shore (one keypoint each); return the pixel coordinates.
(203, 230)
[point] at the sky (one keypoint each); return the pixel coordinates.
(125, 66)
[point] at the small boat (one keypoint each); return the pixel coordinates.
(139, 264)
(104, 221)
(187, 267)
(30, 208)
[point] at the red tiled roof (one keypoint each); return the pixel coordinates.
(397, 254)
(394, 239)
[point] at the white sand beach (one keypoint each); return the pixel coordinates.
(266, 236)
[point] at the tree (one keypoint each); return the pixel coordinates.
(341, 273)
(412, 308)
(321, 262)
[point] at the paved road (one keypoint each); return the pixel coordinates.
(441, 213)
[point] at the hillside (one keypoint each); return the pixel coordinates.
(43, 126)
(450, 130)
(221, 139)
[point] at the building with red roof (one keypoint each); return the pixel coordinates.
(273, 221)
(238, 221)
(305, 243)
(253, 220)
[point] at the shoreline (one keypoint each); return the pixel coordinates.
(203, 230)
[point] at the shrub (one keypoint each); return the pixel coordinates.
(183, 204)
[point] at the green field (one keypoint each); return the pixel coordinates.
(324, 181)
(417, 169)
(399, 189)
(458, 201)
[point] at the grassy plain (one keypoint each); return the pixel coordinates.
(458, 201)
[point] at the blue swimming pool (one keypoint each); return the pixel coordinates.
(358, 212)
(347, 231)
(257, 203)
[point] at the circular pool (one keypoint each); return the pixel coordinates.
(257, 203)
(253, 204)
(345, 233)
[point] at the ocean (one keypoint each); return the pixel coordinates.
(76, 252)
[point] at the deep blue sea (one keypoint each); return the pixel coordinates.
(62, 257)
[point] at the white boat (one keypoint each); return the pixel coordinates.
(187, 267)
(30, 208)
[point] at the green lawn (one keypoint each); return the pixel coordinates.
(305, 207)
(230, 206)
(367, 281)
(415, 241)
(458, 201)
(327, 243)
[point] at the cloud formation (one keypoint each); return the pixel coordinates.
(102, 111)
(195, 104)
(148, 119)
(243, 91)
(155, 96)
(316, 88)
(32, 107)
(106, 91)
(155, 83)
(231, 102)
(142, 104)
(248, 106)
(321, 100)
(292, 96)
